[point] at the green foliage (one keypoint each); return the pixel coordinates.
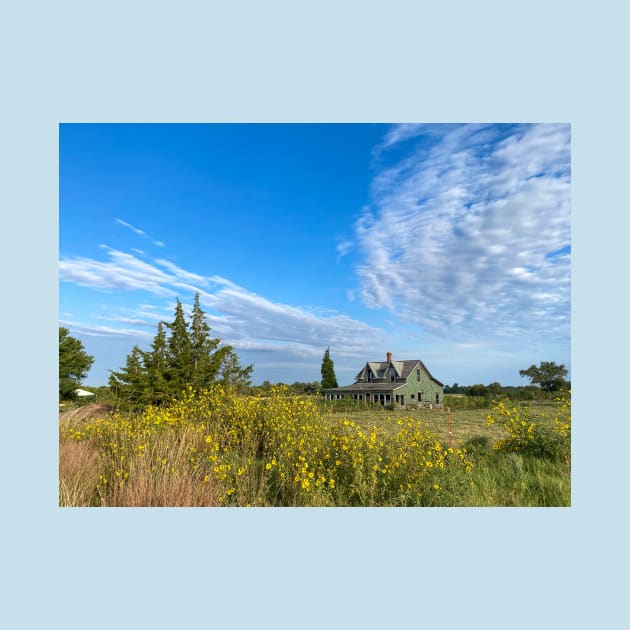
(479, 391)
(548, 375)
(74, 363)
(478, 448)
(516, 480)
(329, 379)
(132, 384)
(186, 356)
(215, 448)
(206, 360)
(349, 404)
(529, 435)
(179, 359)
(230, 371)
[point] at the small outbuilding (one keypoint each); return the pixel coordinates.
(83, 393)
(390, 382)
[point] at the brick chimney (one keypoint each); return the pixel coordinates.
(389, 357)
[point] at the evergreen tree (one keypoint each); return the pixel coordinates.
(157, 367)
(179, 364)
(186, 356)
(329, 379)
(74, 363)
(204, 364)
(230, 371)
(132, 383)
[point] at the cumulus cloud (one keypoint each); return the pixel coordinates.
(469, 232)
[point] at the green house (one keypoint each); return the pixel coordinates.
(393, 383)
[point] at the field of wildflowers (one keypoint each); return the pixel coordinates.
(215, 448)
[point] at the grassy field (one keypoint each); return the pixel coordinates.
(465, 423)
(216, 448)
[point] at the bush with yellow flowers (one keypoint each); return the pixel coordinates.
(532, 432)
(214, 447)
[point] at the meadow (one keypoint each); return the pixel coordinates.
(217, 448)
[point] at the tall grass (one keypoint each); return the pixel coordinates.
(215, 448)
(78, 473)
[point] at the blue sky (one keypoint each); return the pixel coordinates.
(444, 242)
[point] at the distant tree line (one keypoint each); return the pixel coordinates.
(546, 381)
(182, 354)
(297, 387)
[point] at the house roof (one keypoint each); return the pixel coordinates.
(403, 368)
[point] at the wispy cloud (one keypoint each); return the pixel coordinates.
(343, 248)
(251, 316)
(131, 227)
(459, 236)
(397, 134)
(245, 319)
(140, 232)
(92, 330)
(123, 272)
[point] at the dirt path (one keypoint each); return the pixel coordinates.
(93, 411)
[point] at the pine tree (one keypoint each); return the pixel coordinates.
(132, 383)
(74, 363)
(231, 373)
(187, 356)
(329, 379)
(204, 369)
(157, 367)
(179, 357)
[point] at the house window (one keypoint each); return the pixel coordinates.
(419, 396)
(418, 373)
(392, 376)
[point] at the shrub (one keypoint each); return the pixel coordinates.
(529, 431)
(216, 448)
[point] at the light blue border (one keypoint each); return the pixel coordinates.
(287, 61)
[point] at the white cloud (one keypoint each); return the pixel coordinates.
(131, 227)
(140, 232)
(250, 316)
(180, 273)
(123, 272)
(105, 331)
(343, 248)
(242, 318)
(459, 234)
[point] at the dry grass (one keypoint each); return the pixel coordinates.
(78, 474)
(176, 489)
(82, 474)
(152, 483)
